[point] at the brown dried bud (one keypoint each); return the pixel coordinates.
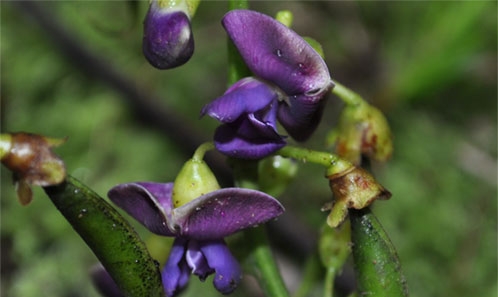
(30, 158)
(352, 188)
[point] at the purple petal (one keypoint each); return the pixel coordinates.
(168, 41)
(104, 282)
(196, 260)
(248, 95)
(277, 54)
(227, 270)
(230, 143)
(149, 203)
(175, 273)
(224, 212)
(301, 117)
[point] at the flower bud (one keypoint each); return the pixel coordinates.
(275, 173)
(168, 40)
(194, 180)
(362, 129)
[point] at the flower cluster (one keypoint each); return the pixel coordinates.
(289, 84)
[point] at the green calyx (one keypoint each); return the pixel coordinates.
(194, 179)
(5, 144)
(188, 6)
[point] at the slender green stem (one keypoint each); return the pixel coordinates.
(238, 4)
(348, 96)
(202, 150)
(312, 273)
(332, 162)
(328, 288)
(263, 265)
(237, 68)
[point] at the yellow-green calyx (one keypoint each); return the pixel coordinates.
(285, 17)
(5, 144)
(194, 179)
(188, 6)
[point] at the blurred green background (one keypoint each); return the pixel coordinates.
(431, 67)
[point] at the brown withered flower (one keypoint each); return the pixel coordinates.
(32, 162)
(352, 188)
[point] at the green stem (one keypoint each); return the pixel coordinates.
(332, 162)
(202, 150)
(348, 96)
(263, 265)
(237, 68)
(312, 273)
(111, 238)
(238, 4)
(328, 288)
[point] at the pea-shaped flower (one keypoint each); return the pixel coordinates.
(199, 215)
(168, 41)
(290, 82)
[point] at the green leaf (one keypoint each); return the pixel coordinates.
(111, 238)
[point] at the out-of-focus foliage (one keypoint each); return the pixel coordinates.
(430, 67)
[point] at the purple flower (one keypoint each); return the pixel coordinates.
(290, 84)
(199, 227)
(248, 110)
(168, 40)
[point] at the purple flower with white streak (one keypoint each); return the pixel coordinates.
(290, 82)
(198, 226)
(168, 41)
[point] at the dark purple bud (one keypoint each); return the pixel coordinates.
(168, 40)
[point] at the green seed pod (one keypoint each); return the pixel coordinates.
(111, 238)
(377, 267)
